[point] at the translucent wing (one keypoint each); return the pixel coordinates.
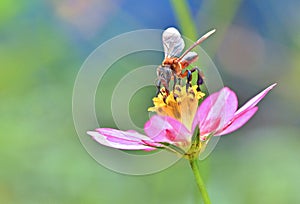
(173, 43)
(189, 58)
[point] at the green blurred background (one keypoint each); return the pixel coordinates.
(43, 45)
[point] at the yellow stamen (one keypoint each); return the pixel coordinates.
(179, 104)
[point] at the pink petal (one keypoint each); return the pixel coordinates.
(127, 135)
(127, 140)
(166, 129)
(252, 102)
(238, 121)
(216, 111)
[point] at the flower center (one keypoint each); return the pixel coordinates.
(179, 104)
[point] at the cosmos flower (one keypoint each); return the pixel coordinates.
(179, 119)
(169, 129)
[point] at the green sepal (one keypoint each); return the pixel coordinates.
(173, 147)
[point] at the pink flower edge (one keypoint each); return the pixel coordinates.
(219, 118)
(126, 140)
(160, 129)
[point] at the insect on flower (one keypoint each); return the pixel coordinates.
(173, 65)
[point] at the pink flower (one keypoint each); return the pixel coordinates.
(217, 115)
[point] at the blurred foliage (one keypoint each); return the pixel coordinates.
(44, 43)
(184, 19)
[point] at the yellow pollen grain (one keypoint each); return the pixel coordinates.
(182, 107)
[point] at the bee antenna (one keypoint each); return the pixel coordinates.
(198, 42)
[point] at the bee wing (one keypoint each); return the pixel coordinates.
(189, 58)
(173, 43)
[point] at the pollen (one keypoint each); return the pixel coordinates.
(179, 104)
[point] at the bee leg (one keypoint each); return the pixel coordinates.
(189, 79)
(179, 81)
(158, 84)
(167, 89)
(200, 77)
(174, 86)
(167, 93)
(188, 74)
(175, 81)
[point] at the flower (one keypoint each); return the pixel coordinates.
(180, 104)
(171, 128)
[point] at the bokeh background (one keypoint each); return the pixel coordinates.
(42, 47)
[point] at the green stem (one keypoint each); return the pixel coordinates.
(184, 18)
(199, 180)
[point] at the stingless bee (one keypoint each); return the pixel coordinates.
(172, 65)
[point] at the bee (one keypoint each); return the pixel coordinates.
(173, 65)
